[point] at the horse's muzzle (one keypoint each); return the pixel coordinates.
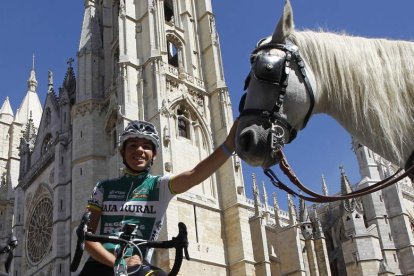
(253, 147)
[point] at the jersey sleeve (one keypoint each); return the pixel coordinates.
(96, 199)
(166, 193)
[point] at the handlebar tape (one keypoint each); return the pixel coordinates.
(8, 261)
(80, 245)
(181, 244)
(182, 235)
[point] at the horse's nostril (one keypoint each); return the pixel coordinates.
(245, 140)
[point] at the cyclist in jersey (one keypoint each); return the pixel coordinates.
(140, 198)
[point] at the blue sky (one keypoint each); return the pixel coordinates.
(50, 30)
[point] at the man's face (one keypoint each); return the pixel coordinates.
(138, 153)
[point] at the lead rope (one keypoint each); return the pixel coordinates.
(315, 197)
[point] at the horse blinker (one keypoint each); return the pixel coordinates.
(269, 68)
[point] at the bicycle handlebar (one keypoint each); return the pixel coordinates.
(9, 248)
(180, 243)
(80, 244)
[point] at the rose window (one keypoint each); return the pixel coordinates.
(39, 230)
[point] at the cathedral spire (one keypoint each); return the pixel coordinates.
(345, 186)
(69, 82)
(265, 198)
(324, 186)
(256, 196)
(29, 137)
(6, 108)
(30, 106)
(306, 224)
(90, 40)
(304, 216)
(349, 204)
(32, 82)
(292, 211)
(276, 208)
(266, 205)
(49, 81)
(318, 226)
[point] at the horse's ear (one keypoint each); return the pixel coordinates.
(285, 27)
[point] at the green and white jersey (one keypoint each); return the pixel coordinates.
(139, 199)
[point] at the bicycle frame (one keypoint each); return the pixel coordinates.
(125, 239)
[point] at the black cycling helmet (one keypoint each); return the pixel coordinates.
(140, 129)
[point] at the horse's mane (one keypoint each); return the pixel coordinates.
(369, 82)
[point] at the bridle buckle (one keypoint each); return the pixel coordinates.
(277, 139)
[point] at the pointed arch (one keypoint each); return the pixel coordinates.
(175, 50)
(197, 147)
(169, 11)
(48, 116)
(195, 118)
(47, 143)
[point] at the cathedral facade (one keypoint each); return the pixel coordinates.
(160, 60)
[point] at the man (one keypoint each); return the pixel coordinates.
(140, 198)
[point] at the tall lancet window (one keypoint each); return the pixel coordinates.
(183, 122)
(47, 143)
(115, 15)
(115, 66)
(48, 116)
(169, 11)
(173, 51)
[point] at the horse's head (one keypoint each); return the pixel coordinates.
(279, 97)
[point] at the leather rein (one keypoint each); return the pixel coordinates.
(315, 197)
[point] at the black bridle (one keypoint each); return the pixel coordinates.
(275, 70)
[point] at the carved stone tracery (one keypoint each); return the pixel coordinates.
(88, 107)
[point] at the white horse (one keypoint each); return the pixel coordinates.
(367, 85)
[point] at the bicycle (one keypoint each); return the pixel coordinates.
(9, 248)
(127, 239)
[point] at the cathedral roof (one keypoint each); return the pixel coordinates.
(6, 108)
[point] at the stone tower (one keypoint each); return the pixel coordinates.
(389, 210)
(360, 244)
(6, 208)
(160, 61)
(12, 126)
